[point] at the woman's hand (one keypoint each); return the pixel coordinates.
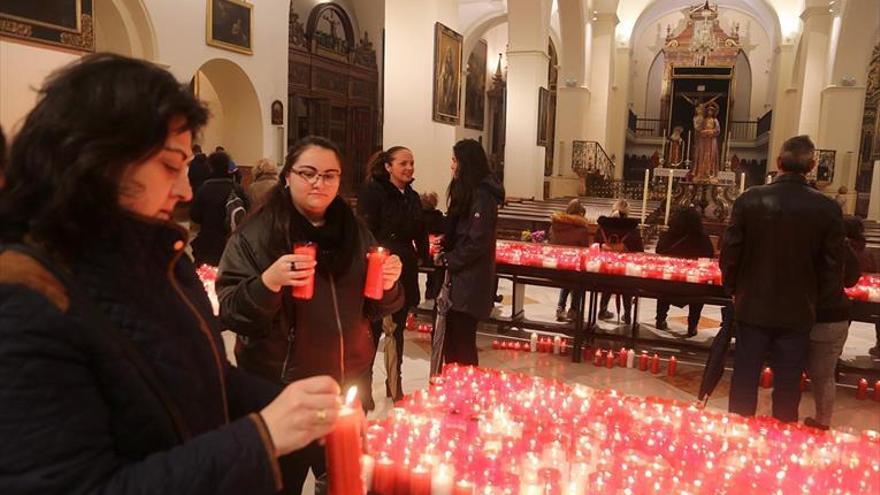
(391, 271)
(302, 413)
(289, 269)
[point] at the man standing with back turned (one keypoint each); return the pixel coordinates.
(784, 242)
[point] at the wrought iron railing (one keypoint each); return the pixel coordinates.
(648, 127)
(744, 130)
(764, 123)
(589, 158)
(600, 187)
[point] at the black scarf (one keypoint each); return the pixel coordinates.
(336, 238)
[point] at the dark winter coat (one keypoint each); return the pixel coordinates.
(833, 304)
(199, 171)
(688, 246)
(569, 230)
(621, 228)
(470, 252)
(113, 377)
(395, 219)
(285, 339)
(209, 211)
(784, 246)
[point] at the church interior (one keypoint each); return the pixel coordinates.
(639, 108)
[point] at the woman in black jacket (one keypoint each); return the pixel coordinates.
(113, 375)
(285, 339)
(209, 210)
(393, 212)
(474, 196)
(684, 239)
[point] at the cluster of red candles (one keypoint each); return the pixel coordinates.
(594, 259)
(489, 431)
(626, 358)
(867, 289)
(548, 345)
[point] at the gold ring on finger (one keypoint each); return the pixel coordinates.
(322, 415)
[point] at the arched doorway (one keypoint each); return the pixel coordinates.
(235, 110)
(124, 27)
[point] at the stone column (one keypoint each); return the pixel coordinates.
(617, 119)
(783, 125)
(601, 76)
(527, 59)
(814, 61)
(840, 123)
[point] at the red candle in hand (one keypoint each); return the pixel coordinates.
(374, 285)
(420, 481)
(308, 290)
(655, 364)
(344, 450)
(767, 378)
(673, 364)
(862, 391)
(383, 476)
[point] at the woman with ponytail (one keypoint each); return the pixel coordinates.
(393, 212)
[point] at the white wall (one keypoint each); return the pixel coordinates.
(496, 42)
(180, 38)
(23, 67)
(409, 65)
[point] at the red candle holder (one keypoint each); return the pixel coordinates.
(344, 450)
(862, 389)
(655, 364)
(307, 291)
(673, 364)
(767, 378)
(374, 283)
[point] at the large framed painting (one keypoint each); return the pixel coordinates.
(64, 23)
(475, 87)
(447, 75)
(230, 25)
(543, 117)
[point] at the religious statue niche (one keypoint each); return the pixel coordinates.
(697, 92)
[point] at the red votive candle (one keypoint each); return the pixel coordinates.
(673, 364)
(643, 361)
(308, 290)
(597, 358)
(344, 450)
(877, 390)
(420, 481)
(621, 357)
(373, 286)
(767, 378)
(655, 364)
(496, 345)
(803, 380)
(463, 487)
(862, 390)
(609, 359)
(383, 476)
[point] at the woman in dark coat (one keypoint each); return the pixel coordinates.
(209, 210)
(393, 212)
(285, 339)
(569, 228)
(474, 196)
(684, 239)
(113, 376)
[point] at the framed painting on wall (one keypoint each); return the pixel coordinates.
(823, 174)
(543, 118)
(475, 87)
(64, 23)
(447, 75)
(230, 25)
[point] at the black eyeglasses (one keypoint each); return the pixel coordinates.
(310, 175)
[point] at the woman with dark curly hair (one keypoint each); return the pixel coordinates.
(113, 376)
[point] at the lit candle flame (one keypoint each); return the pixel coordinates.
(350, 396)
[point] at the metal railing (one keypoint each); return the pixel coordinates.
(589, 158)
(600, 187)
(744, 130)
(648, 127)
(764, 123)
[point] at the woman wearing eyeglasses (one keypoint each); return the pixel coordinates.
(285, 339)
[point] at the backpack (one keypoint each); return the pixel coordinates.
(614, 242)
(235, 210)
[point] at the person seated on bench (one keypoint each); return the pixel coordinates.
(569, 229)
(684, 239)
(619, 233)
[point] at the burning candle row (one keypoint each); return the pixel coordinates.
(555, 345)
(489, 431)
(626, 358)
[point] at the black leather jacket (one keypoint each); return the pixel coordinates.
(784, 246)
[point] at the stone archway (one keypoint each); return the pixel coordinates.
(124, 27)
(236, 122)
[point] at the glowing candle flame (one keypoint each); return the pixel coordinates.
(350, 396)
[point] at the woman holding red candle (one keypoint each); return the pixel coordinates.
(284, 338)
(474, 196)
(393, 212)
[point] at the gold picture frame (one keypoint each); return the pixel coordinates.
(447, 75)
(63, 23)
(230, 25)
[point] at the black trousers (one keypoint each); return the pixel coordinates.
(606, 298)
(460, 344)
(787, 351)
(694, 312)
(295, 467)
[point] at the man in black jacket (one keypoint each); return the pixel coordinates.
(209, 210)
(199, 171)
(783, 247)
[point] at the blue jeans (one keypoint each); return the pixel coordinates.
(577, 299)
(787, 351)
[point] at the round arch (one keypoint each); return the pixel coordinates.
(236, 120)
(125, 27)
